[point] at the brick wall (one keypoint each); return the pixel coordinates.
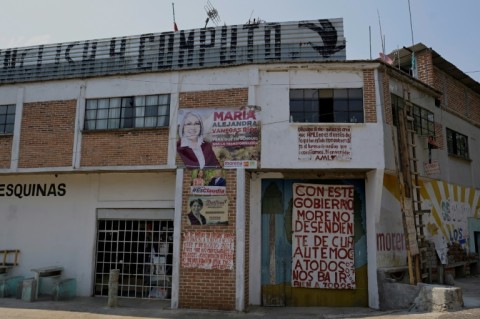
(208, 288)
(387, 100)
(425, 67)
(457, 98)
(212, 288)
(369, 101)
(47, 134)
(6, 153)
(125, 147)
(218, 98)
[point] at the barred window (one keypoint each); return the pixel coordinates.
(457, 144)
(7, 118)
(326, 105)
(127, 112)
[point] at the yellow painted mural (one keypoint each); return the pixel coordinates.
(450, 205)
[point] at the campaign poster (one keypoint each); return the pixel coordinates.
(219, 137)
(208, 182)
(207, 210)
(322, 240)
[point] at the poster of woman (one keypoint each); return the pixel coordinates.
(219, 137)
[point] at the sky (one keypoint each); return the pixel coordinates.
(448, 27)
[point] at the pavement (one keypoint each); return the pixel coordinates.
(96, 308)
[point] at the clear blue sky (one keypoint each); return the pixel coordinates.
(449, 27)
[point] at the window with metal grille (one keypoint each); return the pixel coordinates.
(7, 118)
(326, 105)
(457, 144)
(142, 252)
(146, 111)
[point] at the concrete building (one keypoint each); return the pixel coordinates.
(298, 203)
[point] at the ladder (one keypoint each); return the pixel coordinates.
(9, 259)
(410, 197)
(418, 212)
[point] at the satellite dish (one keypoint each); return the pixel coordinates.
(212, 14)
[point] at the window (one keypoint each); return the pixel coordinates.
(457, 144)
(7, 118)
(423, 120)
(326, 105)
(127, 112)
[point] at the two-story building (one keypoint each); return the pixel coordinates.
(225, 167)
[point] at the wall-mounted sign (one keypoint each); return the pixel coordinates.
(208, 250)
(324, 143)
(322, 238)
(313, 40)
(213, 137)
(432, 168)
(33, 190)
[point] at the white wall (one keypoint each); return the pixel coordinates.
(61, 230)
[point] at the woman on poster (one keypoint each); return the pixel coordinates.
(195, 217)
(192, 148)
(199, 179)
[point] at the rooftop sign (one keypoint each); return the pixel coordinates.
(314, 40)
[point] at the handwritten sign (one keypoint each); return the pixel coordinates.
(317, 143)
(432, 168)
(208, 250)
(322, 240)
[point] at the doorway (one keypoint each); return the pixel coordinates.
(277, 266)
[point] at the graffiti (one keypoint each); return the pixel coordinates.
(390, 242)
(328, 34)
(206, 47)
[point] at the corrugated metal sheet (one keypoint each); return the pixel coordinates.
(314, 40)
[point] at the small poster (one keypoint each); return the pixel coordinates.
(208, 210)
(208, 182)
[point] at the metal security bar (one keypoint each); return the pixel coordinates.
(141, 250)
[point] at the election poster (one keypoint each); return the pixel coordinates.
(219, 137)
(208, 210)
(322, 236)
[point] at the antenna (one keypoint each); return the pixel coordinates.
(212, 14)
(382, 37)
(411, 25)
(175, 28)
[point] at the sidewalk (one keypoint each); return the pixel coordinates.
(96, 308)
